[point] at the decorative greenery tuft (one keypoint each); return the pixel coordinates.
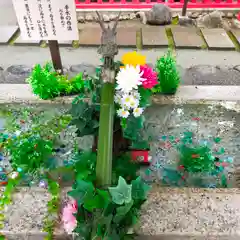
(53, 209)
(48, 84)
(6, 199)
(168, 75)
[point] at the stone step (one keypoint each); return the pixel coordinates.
(190, 213)
(22, 93)
(169, 214)
(152, 36)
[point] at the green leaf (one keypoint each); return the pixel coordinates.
(139, 189)
(83, 191)
(122, 212)
(92, 202)
(99, 201)
(105, 198)
(122, 193)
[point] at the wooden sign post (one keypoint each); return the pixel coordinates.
(55, 55)
(49, 20)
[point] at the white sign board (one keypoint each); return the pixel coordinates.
(47, 19)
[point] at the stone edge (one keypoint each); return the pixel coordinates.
(59, 235)
(21, 93)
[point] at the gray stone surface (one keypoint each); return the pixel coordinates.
(210, 75)
(7, 33)
(154, 36)
(21, 41)
(191, 214)
(16, 74)
(217, 39)
(88, 69)
(65, 43)
(90, 37)
(126, 36)
(186, 37)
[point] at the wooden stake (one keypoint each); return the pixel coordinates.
(184, 9)
(55, 55)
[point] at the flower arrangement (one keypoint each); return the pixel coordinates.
(133, 81)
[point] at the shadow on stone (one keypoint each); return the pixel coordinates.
(17, 74)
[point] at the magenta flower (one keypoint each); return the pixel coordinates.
(68, 219)
(150, 76)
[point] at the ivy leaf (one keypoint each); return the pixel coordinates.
(92, 202)
(99, 201)
(105, 198)
(122, 193)
(122, 212)
(83, 191)
(139, 189)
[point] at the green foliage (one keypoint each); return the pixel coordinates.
(168, 75)
(85, 117)
(108, 214)
(194, 157)
(85, 108)
(53, 207)
(125, 167)
(48, 84)
(29, 152)
(32, 148)
(122, 193)
(133, 130)
(6, 199)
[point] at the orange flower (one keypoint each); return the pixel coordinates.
(134, 59)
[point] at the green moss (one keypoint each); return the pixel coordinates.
(234, 40)
(204, 45)
(139, 41)
(75, 44)
(171, 43)
(168, 75)
(14, 37)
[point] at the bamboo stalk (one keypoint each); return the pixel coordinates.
(105, 137)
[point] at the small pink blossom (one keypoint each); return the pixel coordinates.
(68, 219)
(150, 77)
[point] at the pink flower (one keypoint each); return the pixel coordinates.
(68, 219)
(150, 76)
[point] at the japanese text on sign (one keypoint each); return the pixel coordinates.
(47, 19)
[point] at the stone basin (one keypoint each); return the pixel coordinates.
(206, 121)
(169, 213)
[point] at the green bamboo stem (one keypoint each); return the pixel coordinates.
(105, 137)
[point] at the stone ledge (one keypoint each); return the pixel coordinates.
(169, 214)
(21, 93)
(191, 214)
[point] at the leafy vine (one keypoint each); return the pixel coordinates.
(53, 208)
(6, 198)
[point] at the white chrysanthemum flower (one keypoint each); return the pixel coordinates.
(134, 103)
(118, 98)
(129, 78)
(126, 101)
(136, 95)
(123, 113)
(137, 112)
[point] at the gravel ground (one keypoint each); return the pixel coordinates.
(187, 212)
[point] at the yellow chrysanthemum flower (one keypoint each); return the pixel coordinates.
(134, 59)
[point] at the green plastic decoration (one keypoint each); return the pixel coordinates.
(105, 136)
(168, 75)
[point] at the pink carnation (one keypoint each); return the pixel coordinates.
(68, 219)
(150, 76)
